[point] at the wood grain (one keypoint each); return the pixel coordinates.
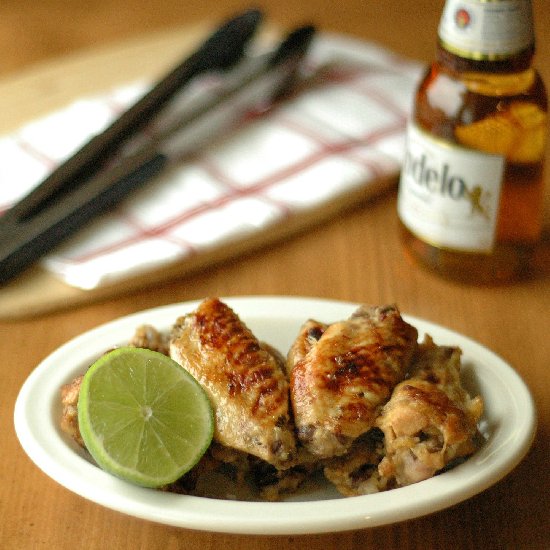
(355, 255)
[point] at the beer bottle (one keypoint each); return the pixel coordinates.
(470, 194)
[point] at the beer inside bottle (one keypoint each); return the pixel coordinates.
(470, 195)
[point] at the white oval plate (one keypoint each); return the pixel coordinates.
(508, 426)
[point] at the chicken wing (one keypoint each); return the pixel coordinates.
(244, 381)
(339, 386)
(430, 419)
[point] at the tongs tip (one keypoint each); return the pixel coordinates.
(295, 44)
(229, 41)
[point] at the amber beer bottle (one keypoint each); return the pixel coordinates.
(470, 195)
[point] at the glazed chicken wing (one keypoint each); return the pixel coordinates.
(347, 375)
(430, 419)
(245, 382)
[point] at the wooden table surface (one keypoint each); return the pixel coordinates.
(52, 51)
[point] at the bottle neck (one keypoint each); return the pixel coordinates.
(514, 64)
(496, 36)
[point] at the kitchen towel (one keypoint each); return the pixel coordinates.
(342, 132)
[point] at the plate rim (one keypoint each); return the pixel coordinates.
(277, 518)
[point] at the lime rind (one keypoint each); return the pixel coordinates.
(144, 418)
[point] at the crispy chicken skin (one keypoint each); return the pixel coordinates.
(245, 382)
(339, 386)
(430, 419)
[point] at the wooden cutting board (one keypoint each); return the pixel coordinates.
(51, 86)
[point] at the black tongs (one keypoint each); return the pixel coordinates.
(119, 160)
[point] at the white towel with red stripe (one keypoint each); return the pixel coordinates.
(342, 134)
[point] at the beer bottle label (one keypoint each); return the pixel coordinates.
(449, 195)
(488, 29)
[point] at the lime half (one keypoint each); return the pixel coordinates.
(143, 417)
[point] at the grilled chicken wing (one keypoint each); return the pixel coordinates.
(339, 386)
(430, 419)
(245, 382)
